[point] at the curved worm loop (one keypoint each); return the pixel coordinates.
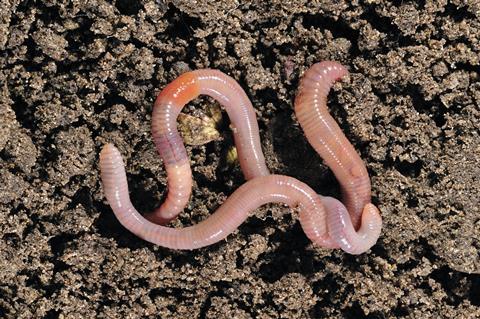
(341, 230)
(169, 143)
(248, 197)
(326, 137)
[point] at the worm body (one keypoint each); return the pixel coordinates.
(324, 134)
(326, 137)
(169, 143)
(325, 220)
(341, 230)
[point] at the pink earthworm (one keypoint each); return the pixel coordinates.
(326, 137)
(168, 105)
(316, 212)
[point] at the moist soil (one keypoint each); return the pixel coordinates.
(75, 75)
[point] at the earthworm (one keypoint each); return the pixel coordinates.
(325, 220)
(326, 137)
(168, 141)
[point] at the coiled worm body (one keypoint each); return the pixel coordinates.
(325, 220)
(168, 141)
(341, 231)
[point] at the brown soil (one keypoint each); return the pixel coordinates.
(76, 74)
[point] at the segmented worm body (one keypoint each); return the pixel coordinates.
(169, 143)
(327, 138)
(325, 220)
